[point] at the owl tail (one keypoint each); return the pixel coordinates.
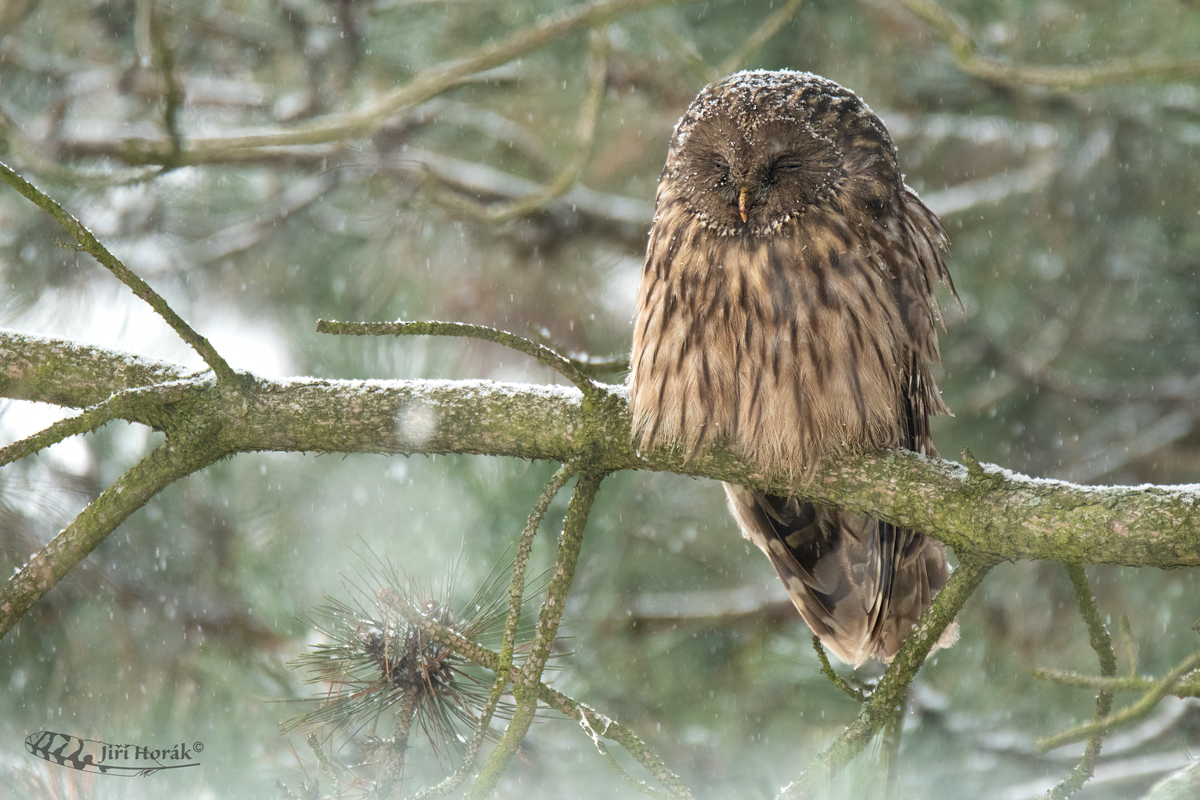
(859, 583)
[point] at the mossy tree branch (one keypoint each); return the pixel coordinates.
(981, 510)
(985, 513)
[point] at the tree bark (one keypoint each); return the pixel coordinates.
(980, 509)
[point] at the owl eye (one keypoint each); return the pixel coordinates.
(788, 164)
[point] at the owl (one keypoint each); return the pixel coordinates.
(786, 308)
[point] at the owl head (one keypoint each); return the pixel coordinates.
(761, 149)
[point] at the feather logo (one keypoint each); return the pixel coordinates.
(127, 760)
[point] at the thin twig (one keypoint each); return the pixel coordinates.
(837, 680)
(516, 591)
(1101, 642)
(615, 731)
(1188, 686)
(395, 749)
(544, 355)
(893, 732)
(324, 762)
(1130, 713)
(140, 288)
(472, 752)
(97, 416)
(881, 706)
(586, 363)
(84, 422)
(641, 786)
(528, 678)
(564, 575)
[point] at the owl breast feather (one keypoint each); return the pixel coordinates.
(788, 347)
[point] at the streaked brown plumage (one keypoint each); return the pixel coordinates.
(786, 307)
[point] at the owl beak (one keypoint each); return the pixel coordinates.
(744, 202)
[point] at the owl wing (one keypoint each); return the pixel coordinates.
(860, 584)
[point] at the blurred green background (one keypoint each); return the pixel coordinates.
(1074, 219)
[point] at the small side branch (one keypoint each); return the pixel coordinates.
(544, 355)
(141, 289)
(588, 364)
(516, 591)
(893, 687)
(597, 725)
(527, 680)
(84, 422)
(133, 402)
(1187, 686)
(837, 680)
(1101, 642)
(1130, 713)
(42, 572)
(570, 543)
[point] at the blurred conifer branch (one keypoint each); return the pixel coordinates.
(153, 48)
(340, 126)
(585, 135)
(751, 45)
(1187, 686)
(1097, 75)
